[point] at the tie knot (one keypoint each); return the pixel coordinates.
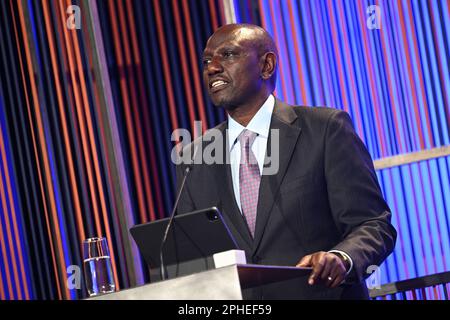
(247, 137)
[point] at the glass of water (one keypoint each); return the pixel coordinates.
(97, 267)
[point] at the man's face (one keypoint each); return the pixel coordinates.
(231, 70)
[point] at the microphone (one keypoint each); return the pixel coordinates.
(187, 170)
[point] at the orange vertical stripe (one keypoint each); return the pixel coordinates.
(222, 11)
(95, 156)
(165, 63)
(128, 116)
(410, 75)
(347, 55)
(3, 249)
(102, 131)
(277, 41)
(134, 113)
(289, 83)
(184, 67)
(297, 55)
(373, 85)
(424, 103)
(86, 119)
(213, 12)
(3, 240)
(391, 94)
(59, 259)
(81, 120)
(338, 57)
(194, 67)
(264, 25)
(441, 67)
(15, 228)
(399, 231)
(61, 103)
(27, 99)
(79, 114)
(2, 287)
(144, 105)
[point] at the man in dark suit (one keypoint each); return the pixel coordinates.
(322, 207)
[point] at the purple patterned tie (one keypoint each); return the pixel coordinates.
(249, 179)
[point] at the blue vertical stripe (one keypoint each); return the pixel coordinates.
(408, 62)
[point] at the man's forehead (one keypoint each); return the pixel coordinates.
(237, 36)
(244, 33)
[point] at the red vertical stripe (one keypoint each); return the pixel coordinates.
(165, 63)
(373, 85)
(127, 111)
(4, 240)
(27, 101)
(75, 90)
(317, 59)
(391, 92)
(337, 54)
(400, 236)
(328, 73)
(348, 57)
(53, 233)
(194, 67)
(442, 68)
(110, 165)
(18, 268)
(222, 11)
(65, 131)
(416, 212)
(96, 159)
(184, 63)
(213, 14)
(144, 175)
(3, 248)
(72, 96)
(424, 103)
(277, 40)
(87, 135)
(145, 108)
(288, 81)
(410, 75)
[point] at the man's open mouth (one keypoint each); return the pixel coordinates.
(217, 85)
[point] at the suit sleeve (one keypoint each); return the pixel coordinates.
(358, 208)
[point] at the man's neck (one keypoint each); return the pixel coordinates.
(244, 114)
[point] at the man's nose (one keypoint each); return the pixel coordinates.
(214, 67)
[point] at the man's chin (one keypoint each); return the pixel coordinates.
(223, 104)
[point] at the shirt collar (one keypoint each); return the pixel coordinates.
(260, 123)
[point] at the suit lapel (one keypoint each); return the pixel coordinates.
(282, 119)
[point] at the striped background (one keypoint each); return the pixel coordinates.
(86, 122)
(395, 83)
(86, 118)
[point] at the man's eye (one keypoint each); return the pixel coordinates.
(206, 61)
(228, 54)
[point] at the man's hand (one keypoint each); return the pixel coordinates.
(328, 268)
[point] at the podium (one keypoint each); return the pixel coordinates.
(224, 283)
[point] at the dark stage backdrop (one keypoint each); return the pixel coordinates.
(88, 107)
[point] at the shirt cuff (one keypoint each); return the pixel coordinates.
(347, 256)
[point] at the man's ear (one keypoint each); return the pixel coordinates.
(269, 63)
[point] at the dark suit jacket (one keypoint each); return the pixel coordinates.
(325, 196)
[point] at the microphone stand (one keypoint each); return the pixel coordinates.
(161, 255)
